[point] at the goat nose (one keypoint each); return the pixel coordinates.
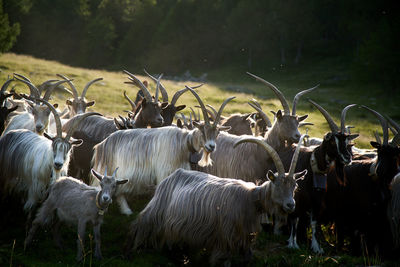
(211, 147)
(290, 206)
(58, 165)
(106, 198)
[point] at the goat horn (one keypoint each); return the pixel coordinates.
(194, 114)
(297, 97)
(5, 85)
(164, 93)
(394, 124)
(343, 118)
(383, 122)
(51, 89)
(158, 88)
(130, 101)
(181, 92)
(218, 118)
(278, 93)
(274, 155)
(328, 118)
(212, 111)
(296, 156)
(105, 171)
(34, 91)
(43, 85)
(77, 122)
(301, 124)
(139, 84)
(203, 108)
(377, 137)
(74, 91)
(115, 172)
(88, 85)
(262, 113)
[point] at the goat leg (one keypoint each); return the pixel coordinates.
(97, 241)
(81, 241)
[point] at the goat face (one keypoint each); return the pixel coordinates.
(61, 149)
(240, 124)
(208, 135)
(283, 190)
(168, 113)
(41, 116)
(288, 127)
(338, 148)
(108, 186)
(388, 162)
(78, 106)
(151, 113)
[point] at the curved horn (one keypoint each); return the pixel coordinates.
(34, 91)
(278, 93)
(74, 91)
(88, 85)
(164, 93)
(115, 172)
(139, 84)
(262, 113)
(296, 156)
(383, 122)
(51, 89)
(203, 108)
(45, 84)
(212, 111)
(181, 92)
(5, 85)
(394, 124)
(130, 101)
(218, 117)
(343, 118)
(269, 149)
(158, 88)
(328, 118)
(297, 97)
(377, 138)
(77, 122)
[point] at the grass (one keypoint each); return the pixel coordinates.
(335, 92)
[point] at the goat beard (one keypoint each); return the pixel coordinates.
(205, 159)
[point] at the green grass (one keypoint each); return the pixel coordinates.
(335, 92)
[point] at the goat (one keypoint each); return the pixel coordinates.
(357, 203)
(36, 118)
(77, 203)
(222, 215)
(334, 153)
(249, 165)
(4, 110)
(78, 104)
(29, 162)
(146, 156)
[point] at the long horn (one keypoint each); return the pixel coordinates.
(77, 122)
(217, 119)
(139, 84)
(212, 110)
(130, 101)
(262, 113)
(278, 93)
(74, 91)
(164, 93)
(5, 85)
(383, 122)
(297, 97)
(22, 77)
(88, 85)
(45, 84)
(34, 91)
(395, 125)
(296, 156)
(328, 118)
(377, 138)
(203, 108)
(158, 88)
(343, 118)
(51, 89)
(181, 92)
(269, 149)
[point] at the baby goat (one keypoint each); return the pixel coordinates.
(77, 203)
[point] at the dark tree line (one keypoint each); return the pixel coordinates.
(175, 35)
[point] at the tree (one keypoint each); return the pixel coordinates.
(8, 33)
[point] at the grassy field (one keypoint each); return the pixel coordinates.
(335, 92)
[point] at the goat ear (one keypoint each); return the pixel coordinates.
(76, 142)
(245, 117)
(90, 103)
(12, 109)
(122, 181)
(375, 144)
(279, 115)
(97, 175)
(179, 108)
(48, 136)
(164, 105)
(55, 105)
(179, 123)
(68, 102)
(271, 176)
(328, 136)
(352, 136)
(300, 175)
(224, 128)
(196, 124)
(302, 118)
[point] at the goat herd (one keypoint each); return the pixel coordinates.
(329, 181)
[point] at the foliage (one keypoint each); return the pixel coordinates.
(8, 33)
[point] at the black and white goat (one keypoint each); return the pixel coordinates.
(198, 210)
(147, 156)
(77, 203)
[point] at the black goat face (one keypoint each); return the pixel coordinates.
(338, 147)
(388, 162)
